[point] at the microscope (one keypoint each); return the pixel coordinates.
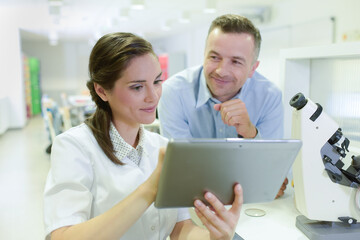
(327, 190)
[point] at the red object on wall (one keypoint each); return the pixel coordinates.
(164, 60)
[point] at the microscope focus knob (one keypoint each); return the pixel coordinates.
(298, 101)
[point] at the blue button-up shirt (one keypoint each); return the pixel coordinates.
(186, 108)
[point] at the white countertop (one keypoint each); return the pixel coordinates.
(278, 222)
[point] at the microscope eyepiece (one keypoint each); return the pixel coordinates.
(298, 101)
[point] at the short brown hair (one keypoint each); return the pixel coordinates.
(232, 23)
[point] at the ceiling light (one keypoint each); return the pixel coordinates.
(210, 6)
(137, 4)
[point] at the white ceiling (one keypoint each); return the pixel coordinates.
(89, 19)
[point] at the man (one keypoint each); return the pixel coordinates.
(226, 97)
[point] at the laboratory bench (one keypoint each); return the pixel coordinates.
(278, 222)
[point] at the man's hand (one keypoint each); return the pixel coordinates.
(282, 189)
(234, 113)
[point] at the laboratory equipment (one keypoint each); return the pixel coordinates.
(326, 187)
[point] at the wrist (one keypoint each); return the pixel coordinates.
(148, 191)
(254, 132)
(251, 133)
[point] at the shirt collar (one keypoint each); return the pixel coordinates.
(122, 149)
(204, 93)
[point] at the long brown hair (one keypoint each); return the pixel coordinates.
(109, 58)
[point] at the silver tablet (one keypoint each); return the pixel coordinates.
(194, 166)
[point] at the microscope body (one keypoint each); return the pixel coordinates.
(318, 192)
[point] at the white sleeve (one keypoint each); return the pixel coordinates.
(183, 214)
(67, 196)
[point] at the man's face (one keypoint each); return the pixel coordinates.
(229, 61)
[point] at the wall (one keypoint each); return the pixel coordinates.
(335, 85)
(293, 23)
(12, 87)
(297, 11)
(298, 23)
(192, 43)
(64, 67)
(4, 117)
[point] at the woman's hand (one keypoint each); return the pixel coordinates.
(220, 222)
(153, 181)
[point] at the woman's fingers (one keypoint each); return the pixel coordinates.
(238, 200)
(220, 222)
(212, 229)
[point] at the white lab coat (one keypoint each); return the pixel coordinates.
(83, 183)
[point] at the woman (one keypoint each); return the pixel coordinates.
(104, 173)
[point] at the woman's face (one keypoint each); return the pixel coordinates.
(135, 95)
